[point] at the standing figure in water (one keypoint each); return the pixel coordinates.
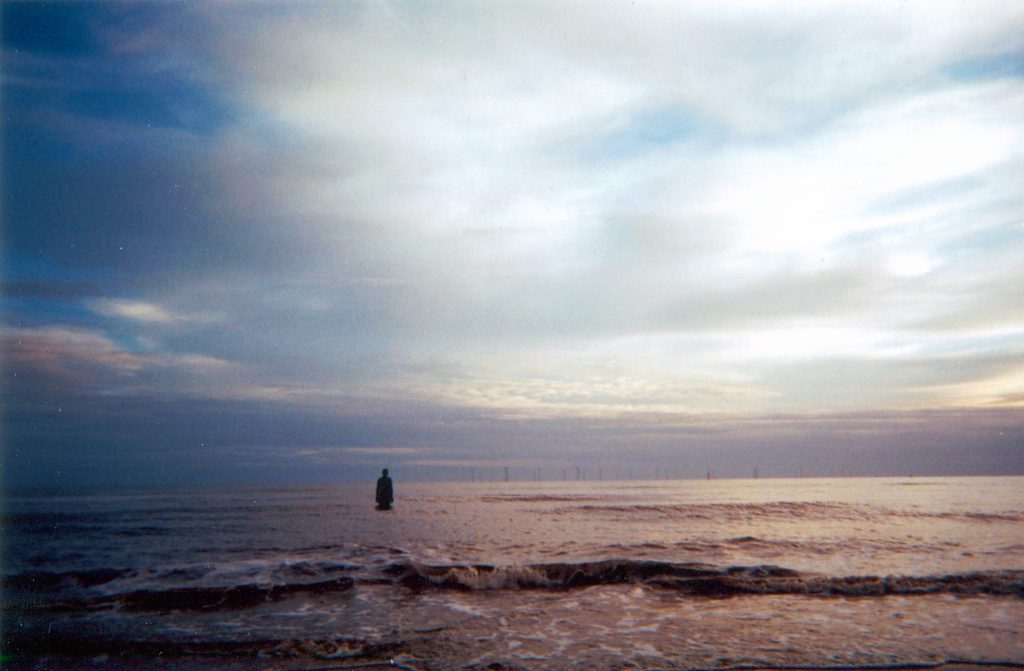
(385, 492)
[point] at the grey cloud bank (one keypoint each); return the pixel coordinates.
(464, 235)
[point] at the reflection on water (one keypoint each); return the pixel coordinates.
(572, 574)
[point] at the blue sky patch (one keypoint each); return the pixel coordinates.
(54, 61)
(56, 29)
(649, 130)
(171, 103)
(991, 66)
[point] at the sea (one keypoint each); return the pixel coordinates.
(801, 573)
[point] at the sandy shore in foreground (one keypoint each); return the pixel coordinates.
(202, 663)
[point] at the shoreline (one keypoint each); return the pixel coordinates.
(202, 663)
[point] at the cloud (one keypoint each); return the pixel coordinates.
(349, 455)
(149, 313)
(96, 364)
(63, 351)
(140, 311)
(410, 164)
(1000, 388)
(537, 214)
(705, 193)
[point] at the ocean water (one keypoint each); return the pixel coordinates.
(520, 575)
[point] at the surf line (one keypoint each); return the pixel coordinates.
(897, 666)
(390, 664)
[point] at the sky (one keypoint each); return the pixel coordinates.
(298, 242)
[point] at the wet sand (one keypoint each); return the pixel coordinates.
(220, 663)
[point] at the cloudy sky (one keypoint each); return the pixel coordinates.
(301, 241)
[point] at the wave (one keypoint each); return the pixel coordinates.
(89, 643)
(734, 512)
(187, 588)
(364, 653)
(777, 510)
(221, 598)
(215, 598)
(986, 517)
(37, 581)
(540, 498)
(698, 579)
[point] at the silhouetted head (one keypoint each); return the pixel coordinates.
(385, 471)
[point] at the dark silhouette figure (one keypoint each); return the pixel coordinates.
(385, 492)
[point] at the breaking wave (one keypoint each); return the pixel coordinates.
(698, 579)
(66, 593)
(189, 589)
